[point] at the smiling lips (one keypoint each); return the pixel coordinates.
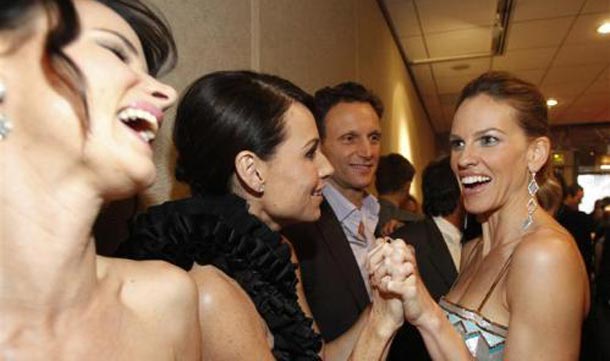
(143, 119)
(362, 167)
(474, 181)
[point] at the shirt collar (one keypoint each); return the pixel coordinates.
(343, 207)
(448, 228)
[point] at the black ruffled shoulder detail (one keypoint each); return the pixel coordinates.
(219, 231)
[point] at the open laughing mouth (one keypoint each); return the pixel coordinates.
(142, 122)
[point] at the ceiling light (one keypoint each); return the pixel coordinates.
(604, 28)
(551, 102)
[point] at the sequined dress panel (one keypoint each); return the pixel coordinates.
(485, 339)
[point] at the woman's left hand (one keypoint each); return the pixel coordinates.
(387, 307)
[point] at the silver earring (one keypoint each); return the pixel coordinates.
(5, 123)
(261, 189)
(532, 204)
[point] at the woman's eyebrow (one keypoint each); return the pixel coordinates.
(128, 43)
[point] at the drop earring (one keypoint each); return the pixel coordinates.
(532, 204)
(5, 123)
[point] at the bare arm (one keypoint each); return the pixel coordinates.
(165, 298)
(369, 338)
(547, 292)
(183, 323)
(395, 270)
(231, 328)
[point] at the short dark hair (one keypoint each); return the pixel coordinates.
(393, 172)
(441, 188)
(572, 189)
(15, 16)
(152, 30)
(347, 92)
(224, 113)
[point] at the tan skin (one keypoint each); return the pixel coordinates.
(60, 301)
(231, 327)
(544, 297)
(352, 144)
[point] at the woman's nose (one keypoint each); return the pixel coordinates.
(164, 95)
(325, 169)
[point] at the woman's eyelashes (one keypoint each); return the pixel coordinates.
(312, 152)
(484, 140)
(488, 140)
(313, 149)
(118, 50)
(456, 144)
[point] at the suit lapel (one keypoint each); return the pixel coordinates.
(338, 246)
(442, 258)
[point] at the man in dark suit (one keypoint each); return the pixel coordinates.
(332, 251)
(437, 242)
(579, 224)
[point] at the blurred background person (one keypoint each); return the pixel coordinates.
(437, 240)
(393, 181)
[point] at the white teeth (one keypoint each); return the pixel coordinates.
(147, 135)
(474, 179)
(131, 114)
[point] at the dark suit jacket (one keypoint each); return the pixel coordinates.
(331, 278)
(437, 272)
(580, 225)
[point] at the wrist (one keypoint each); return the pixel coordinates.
(382, 326)
(431, 320)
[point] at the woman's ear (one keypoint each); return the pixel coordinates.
(248, 168)
(538, 153)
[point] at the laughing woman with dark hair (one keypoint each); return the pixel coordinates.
(72, 138)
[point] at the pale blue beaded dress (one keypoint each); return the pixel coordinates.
(484, 338)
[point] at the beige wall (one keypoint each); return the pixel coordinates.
(311, 42)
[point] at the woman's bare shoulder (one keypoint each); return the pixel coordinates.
(219, 292)
(547, 260)
(231, 327)
(161, 298)
(546, 246)
(149, 286)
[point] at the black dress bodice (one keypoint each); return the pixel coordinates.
(219, 231)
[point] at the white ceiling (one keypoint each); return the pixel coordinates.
(551, 43)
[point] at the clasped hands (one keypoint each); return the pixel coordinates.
(398, 292)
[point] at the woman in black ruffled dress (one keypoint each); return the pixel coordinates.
(248, 148)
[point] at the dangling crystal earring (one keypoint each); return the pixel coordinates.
(532, 204)
(5, 123)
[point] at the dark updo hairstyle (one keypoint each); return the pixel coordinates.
(347, 92)
(526, 100)
(152, 31)
(224, 113)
